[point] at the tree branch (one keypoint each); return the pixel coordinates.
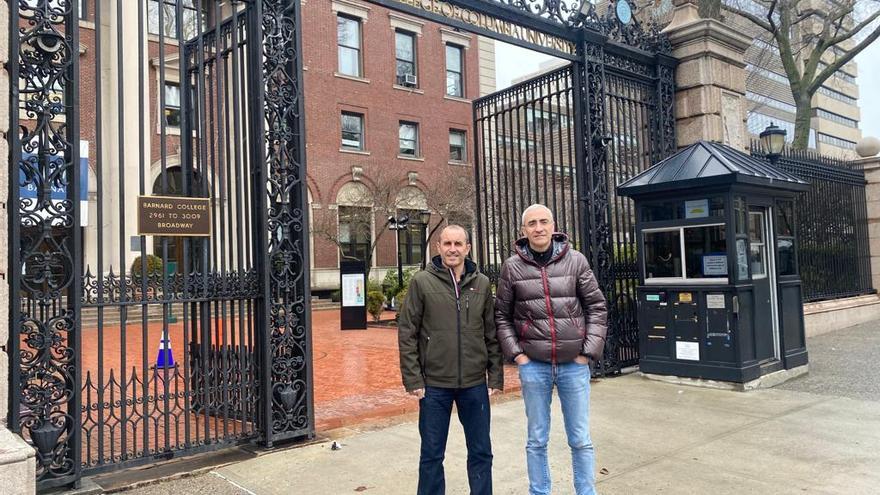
(751, 17)
(839, 62)
(852, 32)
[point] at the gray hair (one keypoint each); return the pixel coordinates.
(536, 206)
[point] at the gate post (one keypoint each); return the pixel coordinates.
(285, 325)
(45, 258)
(17, 461)
(710, 81)
(592, 171)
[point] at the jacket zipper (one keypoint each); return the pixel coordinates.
(457, 291)
(550, 315)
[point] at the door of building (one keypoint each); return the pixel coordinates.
(763, 279)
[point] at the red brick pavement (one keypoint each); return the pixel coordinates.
(356, 379)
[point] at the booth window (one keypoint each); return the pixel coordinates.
(786, 258)
(757, 245)
(741, 214)
(686, 253)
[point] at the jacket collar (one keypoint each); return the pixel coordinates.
(437, 268)
(559, 246)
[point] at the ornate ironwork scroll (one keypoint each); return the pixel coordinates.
(594, 179)
(44, 264)
(288, 398)
(665, 112)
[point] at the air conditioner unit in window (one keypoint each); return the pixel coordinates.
(410, 80)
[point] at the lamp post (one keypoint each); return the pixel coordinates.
(424, 220)
(773, 142)
(397, 224)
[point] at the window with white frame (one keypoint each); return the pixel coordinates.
(164, 13)
(454, 70)
(405, 54)
(172, 104)
(409, 139)
(685, 253)
(348, 39)
(457, 146)
(352, 131)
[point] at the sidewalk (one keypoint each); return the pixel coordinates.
(650, 438)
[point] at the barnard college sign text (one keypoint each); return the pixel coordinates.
(490, 23)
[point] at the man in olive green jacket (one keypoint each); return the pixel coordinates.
(447, 348)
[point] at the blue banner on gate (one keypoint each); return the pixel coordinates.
(27, 189)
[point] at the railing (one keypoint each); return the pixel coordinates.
(832, 225)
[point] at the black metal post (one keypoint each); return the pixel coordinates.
(399, 262)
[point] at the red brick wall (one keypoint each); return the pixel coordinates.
(326, 96)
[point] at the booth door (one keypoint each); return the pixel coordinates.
(761, 264)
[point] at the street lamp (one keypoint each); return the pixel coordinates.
(425, 221)
(398, 224)
(773, 141)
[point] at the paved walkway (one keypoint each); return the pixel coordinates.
(817, 434)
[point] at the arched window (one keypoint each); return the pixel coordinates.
(355, 235)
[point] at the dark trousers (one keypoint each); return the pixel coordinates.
(473, 413)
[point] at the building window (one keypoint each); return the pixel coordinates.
(348, 36)
(168, 13)
(82, 9)
(836, 141)
(457, 146)
(405, 50)
(354, 232)
(352, 131)
(409, 139)
(837, 95)
(840, 119)
(454, 71)
(411, 240)
(172, 104)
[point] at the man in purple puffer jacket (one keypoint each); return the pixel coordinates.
(550, 318)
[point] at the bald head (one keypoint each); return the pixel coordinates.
(453, 227)
(537, 207)
(454, 246)
(538, 227)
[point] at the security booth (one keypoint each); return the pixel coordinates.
(719, 295)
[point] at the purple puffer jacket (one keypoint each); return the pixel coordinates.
(552, 313)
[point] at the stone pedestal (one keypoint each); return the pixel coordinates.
(872, 196)
(710, 79)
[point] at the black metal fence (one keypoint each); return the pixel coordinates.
(832, 221)
(565, 138)
(128, 347)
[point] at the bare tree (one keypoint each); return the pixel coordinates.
(365, 207)
(368, 206)
(815, 39)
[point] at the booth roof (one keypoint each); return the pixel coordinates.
(707, 164)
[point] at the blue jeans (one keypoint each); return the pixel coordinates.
(572, 382)
(435, 410)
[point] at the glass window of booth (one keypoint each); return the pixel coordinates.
(786, 255)
(686, 254)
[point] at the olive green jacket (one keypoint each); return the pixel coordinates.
(447, 337)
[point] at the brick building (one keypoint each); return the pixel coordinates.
(389, 110)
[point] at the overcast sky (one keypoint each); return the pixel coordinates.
(513, 62)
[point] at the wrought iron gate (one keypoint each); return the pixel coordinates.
(566, 138)
(129, 348)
